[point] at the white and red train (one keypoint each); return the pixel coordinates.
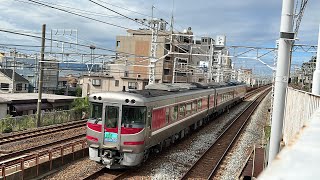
(136, 122)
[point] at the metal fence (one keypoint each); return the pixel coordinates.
(300, 106)
(19, 123)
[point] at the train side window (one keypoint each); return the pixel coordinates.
(204, 103)
(212, 100)
(194, 106)
(188, 109)
(174, 113)
(199, 104)
(182, 108)
(167, 114)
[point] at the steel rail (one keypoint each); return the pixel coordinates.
(222, 145)
(40, 132)
(107, 174)
(31, 149)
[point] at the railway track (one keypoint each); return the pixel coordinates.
(255, 91)
(15, 154)
(207, 165)
(107, 174)
(39, 132)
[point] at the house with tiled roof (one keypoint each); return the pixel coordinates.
(20, 85)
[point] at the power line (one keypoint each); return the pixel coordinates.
(76, 9)
(70, 12)
(118, 13)
(124, 8)
(71, 43)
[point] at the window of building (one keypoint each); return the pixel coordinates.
(19, 87)
(132, 85)
(126, 73)
(96, 82)
(5, 86)
(116, 83)
(166, 71)
(167, 47)
(144, 85)
(25, 86)
(118, 43)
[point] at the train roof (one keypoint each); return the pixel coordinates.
(156, 90)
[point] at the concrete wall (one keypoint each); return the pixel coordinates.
(140, 45)
(3, 110)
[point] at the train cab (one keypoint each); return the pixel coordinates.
(116, 130)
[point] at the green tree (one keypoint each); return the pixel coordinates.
(78, 91)
(81, 104)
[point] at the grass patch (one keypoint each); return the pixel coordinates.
(267, 132)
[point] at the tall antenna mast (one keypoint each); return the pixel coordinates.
(171, 23)
(152, 7)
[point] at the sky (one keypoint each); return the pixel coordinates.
(245, 23)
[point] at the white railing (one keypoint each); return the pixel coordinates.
(300, 106)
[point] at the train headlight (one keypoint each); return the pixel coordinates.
(94, 97)
(133, 101)
(127, 100)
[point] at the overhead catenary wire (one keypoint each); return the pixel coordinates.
(72, 43)
(119, 13)
(77, 14)
(83, 11)
(124, 8)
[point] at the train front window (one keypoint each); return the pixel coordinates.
(112, 116)
(133, 116)
(96, 111)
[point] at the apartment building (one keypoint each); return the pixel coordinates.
(179, 61)
(245, 76)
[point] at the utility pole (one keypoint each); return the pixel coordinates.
(219, 65)
(210, 61)
(316, 74)
(14, 71)
(281, 81)
(174, 70)
(155, 25)
(41, 76)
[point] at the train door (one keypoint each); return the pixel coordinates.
(112, 130)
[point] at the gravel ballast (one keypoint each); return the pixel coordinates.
(173, 161)
(252, 135)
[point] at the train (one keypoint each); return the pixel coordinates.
(137, 122)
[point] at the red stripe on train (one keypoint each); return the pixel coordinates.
(134, 143)
(95, 127)
(124, 130)
(92, 138)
